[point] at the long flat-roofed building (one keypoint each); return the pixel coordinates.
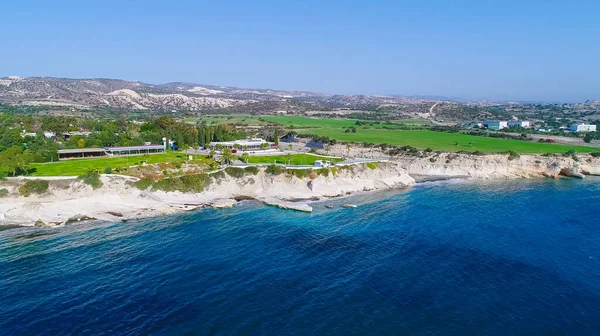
(247, 144)
(135, 150)
(78, 153)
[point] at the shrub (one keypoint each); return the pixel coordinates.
(107, 170)
(218, 175)
(251, 169)
(33, 187)
(432, 159)
(300, 173)
(3, 192)
(334, 170)
(324, 172)
(144, 183)
(187, 183)
(428, 150)
(91, 178)
(235, 172)
(512, 155)
(596, 154)
(572, 154)
(372, 165)
(274, 170)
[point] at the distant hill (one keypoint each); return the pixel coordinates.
(195, 98)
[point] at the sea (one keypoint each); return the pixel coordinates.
(516, 257)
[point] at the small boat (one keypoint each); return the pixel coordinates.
(329, 206)
(349, 205)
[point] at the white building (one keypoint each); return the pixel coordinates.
(322, 163)
(247, 144)
(519, 123)
(49, 134)
(583, 128)
(495, 125)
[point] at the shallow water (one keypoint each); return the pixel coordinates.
(494, 258)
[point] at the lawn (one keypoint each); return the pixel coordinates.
(306, 122)
(240, 119)
(297, 159)
(334, 128)
(445, 141)
(77, 167)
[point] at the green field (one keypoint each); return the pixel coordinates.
(334, 128)
(78, 167)
(240, 119)
(297, 159)
(446, 141)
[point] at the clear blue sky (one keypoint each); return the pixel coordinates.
(509, 50)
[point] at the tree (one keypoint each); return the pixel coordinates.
(276, 137)
(227, 156)
(237, 146)
(588, 137)
(288, 158)
(245, 157)
(264, 145)
(212, 153)
(15, 159)
(80, 143)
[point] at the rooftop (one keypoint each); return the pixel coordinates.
(80, 150)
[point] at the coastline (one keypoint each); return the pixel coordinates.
(70, 200)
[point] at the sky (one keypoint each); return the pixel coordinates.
(526, 50)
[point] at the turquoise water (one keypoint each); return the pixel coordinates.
(493, 258)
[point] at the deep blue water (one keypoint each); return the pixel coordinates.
(486, 258)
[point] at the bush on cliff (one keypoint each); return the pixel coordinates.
(187, 183)
(3, 192)
(274, 170)
(235, 172)
(324, 172)
(34, 187)
(512, 155)
(91, 178)
(300, 173)
(596, 154)
(144, 183)
(253, 170)
(572, 154)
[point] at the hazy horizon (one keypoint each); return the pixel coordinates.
(473, 50)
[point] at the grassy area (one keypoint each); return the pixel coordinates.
(240, 119)
(334, 128)
(78, 167)
(297, 159)
(446, 141)
(304, 122)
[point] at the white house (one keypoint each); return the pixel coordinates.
(495, 125)
(583, 128)
(519, 123)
